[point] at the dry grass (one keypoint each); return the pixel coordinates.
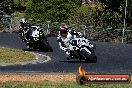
(48, 80)
(37, 77)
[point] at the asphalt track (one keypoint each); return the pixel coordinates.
(112, 58)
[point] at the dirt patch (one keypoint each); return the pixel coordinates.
(38, 77)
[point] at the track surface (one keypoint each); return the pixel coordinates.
(112, 58)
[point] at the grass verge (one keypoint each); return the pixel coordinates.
(47, 80)
(65, 84)
(9, 55)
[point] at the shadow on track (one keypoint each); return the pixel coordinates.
(68, 61)
(36, 50)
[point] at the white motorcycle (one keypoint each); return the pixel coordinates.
(80, 48)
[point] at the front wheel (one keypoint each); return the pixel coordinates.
(85, 54)
(88, 56)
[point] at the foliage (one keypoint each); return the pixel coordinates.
(96, 16)
(118, 6)
(53, 10)
(6, 9)
(105, 13)
(6, 6)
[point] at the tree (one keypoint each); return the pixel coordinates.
(7, 6)
(118, 6)
(54, 10)
(6, 10)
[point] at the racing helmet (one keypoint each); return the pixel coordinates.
(63, 31)
(80, 34)
(24, 23)
(23, 20)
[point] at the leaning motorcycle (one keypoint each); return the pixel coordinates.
(35, 39)
(80, 48)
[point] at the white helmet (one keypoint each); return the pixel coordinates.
(23, 20)
(79, 33)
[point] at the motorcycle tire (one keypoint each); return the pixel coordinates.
(85, 54)
(89, 58)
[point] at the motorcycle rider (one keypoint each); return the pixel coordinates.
(64, 37)
(24, 24)
(24, 28)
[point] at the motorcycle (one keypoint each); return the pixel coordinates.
(35, 39)
(80, 48)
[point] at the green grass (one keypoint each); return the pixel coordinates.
(46, 84)
(9, 55)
